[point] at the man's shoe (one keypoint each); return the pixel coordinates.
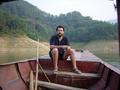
(55, 70)
(77, 71)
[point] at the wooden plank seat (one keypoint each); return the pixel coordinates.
(70, 74)
(56, 86)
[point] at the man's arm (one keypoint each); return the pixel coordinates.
(52, 44)
(59, 46)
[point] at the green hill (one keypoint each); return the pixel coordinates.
(14, 25)
(20, 17)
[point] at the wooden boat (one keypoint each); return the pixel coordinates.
(96, 74)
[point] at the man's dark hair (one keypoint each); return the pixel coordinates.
(60, 26)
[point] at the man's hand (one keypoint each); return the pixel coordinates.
(65, 46)
(60, 46)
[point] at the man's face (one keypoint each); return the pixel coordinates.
(60, 32)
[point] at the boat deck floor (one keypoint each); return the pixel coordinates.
(80, 56)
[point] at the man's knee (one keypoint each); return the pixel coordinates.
(54, 50)
(70, 50)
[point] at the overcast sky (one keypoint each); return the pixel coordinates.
(97, 9)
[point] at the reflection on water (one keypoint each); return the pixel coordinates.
(116, 64)
(15, 54)
(111, 58)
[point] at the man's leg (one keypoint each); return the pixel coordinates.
(55, 58)
(70, 52)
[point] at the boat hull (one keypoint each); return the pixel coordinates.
(96, 75)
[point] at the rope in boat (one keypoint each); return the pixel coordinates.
(41, 70)
(44, 72)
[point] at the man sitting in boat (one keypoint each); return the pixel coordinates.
(60, 49)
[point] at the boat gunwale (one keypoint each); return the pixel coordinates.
(115, 69)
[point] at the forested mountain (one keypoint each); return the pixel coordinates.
(20, 17)
(23, 18)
